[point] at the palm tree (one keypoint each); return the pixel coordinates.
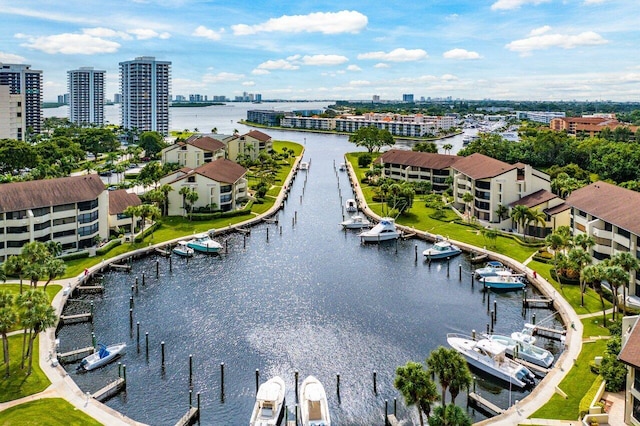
(53, 268)
(584, 241)
(54, 247)
(449, 415)
(39, 318)
(27, 302)
(416, 387)
(502, 211)
(519, 216)
(629, 263)
(451, 369)
(447, 148)
(132, 211)
(580, 259)
(537, 217)
(8, 319)
(592, 275)
(616, 276)
(165, 189)
(14, 265)
(467, 197)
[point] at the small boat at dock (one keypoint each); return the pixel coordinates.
(503, 280)
(203, 243)
(304, 165)
(490, 269)
(182, 249)
(356, 221)
(383, 231)
(351, 206)
(314, 408)
(103, 356)
(523, 350)
(269, 407)
(441, 250)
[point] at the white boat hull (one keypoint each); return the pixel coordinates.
(269, 407)
(95, 361)
(525, 351)
(314, 409)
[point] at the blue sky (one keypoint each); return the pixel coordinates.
(475, 49)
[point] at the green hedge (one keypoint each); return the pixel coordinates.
(146, 232)
(585, 402)
(76, 255)
(105, 248)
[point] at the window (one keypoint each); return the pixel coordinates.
(87, 217)
(624, 233)
(225, 188)
(21, 214)
(88, 205)
(41, 211)
(16, 229)
(16, 244)
(64, 207)
(43, 225)
(64, 233)
(581, 213)
(64, 221)
(88, 230)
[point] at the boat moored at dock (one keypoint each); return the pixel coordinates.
(314, 408)
(442, 250)
(269, 407)
(356, 221)
(203, 243)
(523, 350)
(182, 249)
(383, 231)
(103, 356)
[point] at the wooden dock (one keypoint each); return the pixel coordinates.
(474, 398)
(243, 231)
(535, 368)
(70, 319)
(72, 356)
(110, 390)
(539, 302)
(392, 420)
(124, 267)
(163, 252)
(550, 333)
(271, 220)
(189, 418)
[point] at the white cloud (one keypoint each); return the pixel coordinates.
(69, 44)
(514, 4)
(396, 55)
(590, 2)
(359, 83)
(565, 41)
(222, 77)
(249, 83)
(381, 65)
(354, 68)
(106, 32)
(258, 71)
(460, 54)
(324, 60)
(279, 64)
(210, 34)
(345, 21)
(146, 34)
(539, 31)
(10, 58)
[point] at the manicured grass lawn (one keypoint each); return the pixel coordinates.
(575, 385)
(18, 384)
(52, 290)
(571, 292)
(46, 412)
(593, 327)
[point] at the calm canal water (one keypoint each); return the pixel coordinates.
(311, 299)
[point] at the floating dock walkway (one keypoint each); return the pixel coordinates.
(480, 402)
(110, 390)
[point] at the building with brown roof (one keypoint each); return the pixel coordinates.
(220, 185)
(71, 210)
(554, 208)
(194, 152)
(492, 184)
(412, 166)
(589, 126)
(608, 213)
(630, 355)
(250, 144)
(119, 200)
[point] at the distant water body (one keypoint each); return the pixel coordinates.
(225, 119)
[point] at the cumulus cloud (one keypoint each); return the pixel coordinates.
(146, 33)
(248, 83)
(69, 44)
(460, 54)
(539, 31)
(106, 33)
(396, 55)
(354, 68)
(324, 59)
(258, 71)
(543, 40)
(515, 4)
(345, 21)
(590, 2)
(10, 58)
(381, 65)
(210, 34)
(222, 77)
(359, 83)
(279, 64)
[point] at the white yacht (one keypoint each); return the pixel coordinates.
(204, 243)
(525, 351)
(269, 407)
(351, 205)
(356, 221)
(314, 408)
(490, 357)
(490, 269)
(442, 250)
(385, 230)
(526, 335)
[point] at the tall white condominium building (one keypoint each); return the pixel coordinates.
(25, 84)
(86, 96)
(145, 88)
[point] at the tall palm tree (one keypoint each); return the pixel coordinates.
(467, 197)
(26, 303)
(165, 189)
(449, 415)
(580, 259)
(584, 241)
(502, 211)
(616, 276)
(447, 148)
(8, 319)
(537, 218)
(53, 268)
(413, 382)
(451, 369)
(39, 318)
(592, 275)
(630, 264)
(519, 216)
(14, 266)
(132, 211)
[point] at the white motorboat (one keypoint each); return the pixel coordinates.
(526, 335)
(304, 165)
(343, 167)
(269, 407)
(442, 250)
(385, 230)
(103, 356)
(525, 351)
(204, 244)
(490, 269)
(350, 205)
(182, 249)
(314, 409)
(490, 357)
(504, 280)
(356, 221)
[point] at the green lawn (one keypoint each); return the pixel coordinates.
(575, 385)
(18, 384)
(593, 327)
(46, 412)
(52, 290)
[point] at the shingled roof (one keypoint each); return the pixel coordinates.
(535, 199)
(205, 143)
(120, 199)
(221, 170)
(49, 192)
(426, 160)
(630, 353)
(611, 203)
(480, 166)
(256, 134)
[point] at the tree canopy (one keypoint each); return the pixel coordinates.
(372, 138)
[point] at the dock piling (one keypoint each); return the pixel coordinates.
(222, 381)
(162, 354)
(375, 382)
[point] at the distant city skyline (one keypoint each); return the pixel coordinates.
(352, 50)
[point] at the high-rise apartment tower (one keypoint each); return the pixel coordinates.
(86, 96)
